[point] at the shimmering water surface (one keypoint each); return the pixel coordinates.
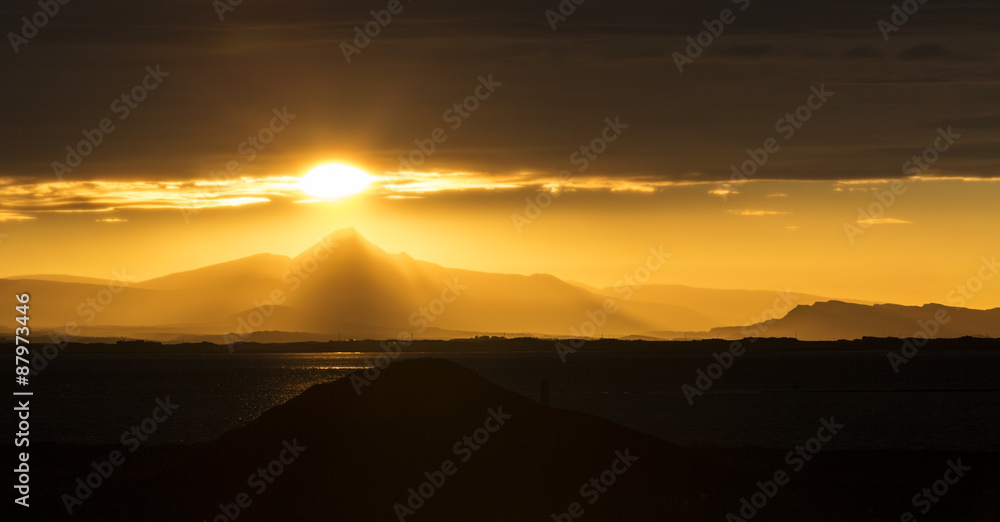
(939, 400)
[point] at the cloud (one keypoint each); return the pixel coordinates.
(107, 196)
(14, 216)
(607, 59)
(723, 191)
(884, 221)
(757, 213)
(24, 201)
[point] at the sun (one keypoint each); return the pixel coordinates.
(335, 180)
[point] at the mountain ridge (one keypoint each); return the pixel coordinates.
(344, 285)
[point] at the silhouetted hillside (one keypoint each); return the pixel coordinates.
(839, 320)
(351, 457)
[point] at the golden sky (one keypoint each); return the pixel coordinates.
(158, 138)
(809, 236)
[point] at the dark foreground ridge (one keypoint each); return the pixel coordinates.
(479, 452)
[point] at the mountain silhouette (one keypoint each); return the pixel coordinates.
(253, 270)
(723, 306)
(334, 454)
(361, 453)
(840, 320)
(344, 286)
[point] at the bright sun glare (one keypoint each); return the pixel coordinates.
(335, 180)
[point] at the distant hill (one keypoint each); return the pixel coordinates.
(840, 320)
(253, 270)
(344, 286)
(721, 306)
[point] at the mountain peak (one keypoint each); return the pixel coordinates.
(348, 237)
(346, 240)
(345, 233)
